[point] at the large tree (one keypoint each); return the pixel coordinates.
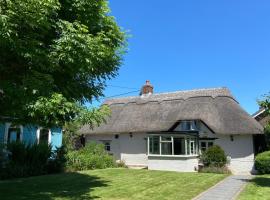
(265, 103)
(55, 55)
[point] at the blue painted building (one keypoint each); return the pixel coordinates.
(30, 134)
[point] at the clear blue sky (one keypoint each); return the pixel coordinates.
(189, 44)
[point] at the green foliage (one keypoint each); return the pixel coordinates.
(26, 160)
(55, 56)
(92, 156)
(121, 164)
(57, 162)
(265, 103)
(31, 160)
(262, 162)
(3, 156)
(267, 136)
(214, 157)
(93, 117)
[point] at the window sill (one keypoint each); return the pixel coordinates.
(173, 156)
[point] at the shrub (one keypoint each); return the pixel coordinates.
(262, 162)
(214, 157)
(121, 164)
(3, 156)
(56, 163)
(31, 160)
(26, 160)
(92, 156)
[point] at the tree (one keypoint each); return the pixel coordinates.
(265, 103)
(55, 55)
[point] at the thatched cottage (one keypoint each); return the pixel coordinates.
(167, 131)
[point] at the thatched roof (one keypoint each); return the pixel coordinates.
(159, 112)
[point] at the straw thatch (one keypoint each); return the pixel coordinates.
(216, 107)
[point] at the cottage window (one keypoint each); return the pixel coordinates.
(14, 134)
(204, 145)
(107, 145)
(172, 145)
(154, 145)
(43, 135)
(179, 146)
(188, 125)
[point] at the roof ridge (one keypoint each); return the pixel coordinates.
(193, 90)
(189, 93)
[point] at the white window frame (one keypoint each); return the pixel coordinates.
(7, 127)
(38, 135)
(192, 139)
(207, 144)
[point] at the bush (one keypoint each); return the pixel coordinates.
(262, 162)
(92, 156)
(214, 157)
(3, 156)
(56, 163)
(121, 164)
(26, 160)
(32, 160)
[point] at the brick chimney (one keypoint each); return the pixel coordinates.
(147, 88)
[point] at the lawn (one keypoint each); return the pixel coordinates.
(124, 184)
(257, 189)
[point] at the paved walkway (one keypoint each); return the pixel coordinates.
(228, 189)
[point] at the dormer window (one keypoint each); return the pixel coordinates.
(188, 125)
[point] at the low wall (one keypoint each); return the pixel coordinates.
(181, 164)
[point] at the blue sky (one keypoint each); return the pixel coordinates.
(189, 44)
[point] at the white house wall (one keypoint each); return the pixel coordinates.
(173, 163)
(130, 149)
(240, 152)
(133, 151)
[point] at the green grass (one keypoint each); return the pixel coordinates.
(257, 189)
(124, 184)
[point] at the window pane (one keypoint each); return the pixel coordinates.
(203, 146)
(154, 145)
(107, 146)
(185, 125)
(210, 144)
(166, 138)
(166, 148)
(188, 146)
(179, 146)
(192, 147)
(44, 136)
(188, 125)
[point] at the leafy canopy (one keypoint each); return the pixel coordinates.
(55, 56)
(265, 103)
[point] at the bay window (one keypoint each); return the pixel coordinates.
(172, 145)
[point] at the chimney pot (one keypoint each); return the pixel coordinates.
(147, 88)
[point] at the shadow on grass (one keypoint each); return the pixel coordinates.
(68, 186)
(261, 181)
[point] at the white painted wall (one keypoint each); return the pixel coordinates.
(180, 164)
(131, 150)
(240, 150)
